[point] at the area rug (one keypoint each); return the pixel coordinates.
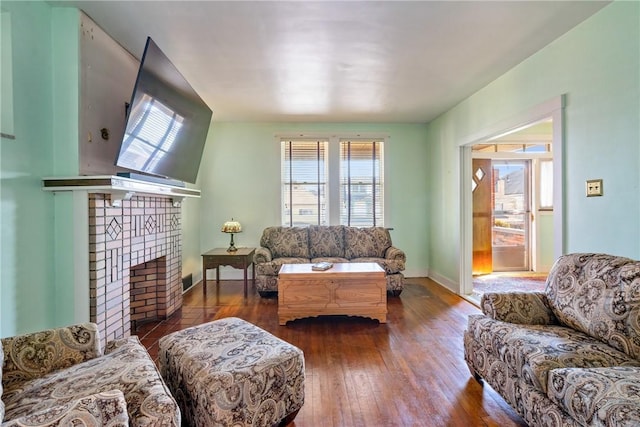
(503, 283)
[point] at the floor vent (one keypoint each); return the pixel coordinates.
(187, 282)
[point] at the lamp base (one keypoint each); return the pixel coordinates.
(232, 246)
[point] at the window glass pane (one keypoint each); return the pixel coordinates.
(546, 184)
(304, 183)
(541, 147)
(6, 77)
(361, 186)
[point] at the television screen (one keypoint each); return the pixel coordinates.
(167, 122)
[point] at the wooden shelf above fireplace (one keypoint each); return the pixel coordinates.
(118, 188)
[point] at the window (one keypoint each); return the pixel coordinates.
(6, 77)
(344, 174)
(361, 196)
(304, 184)
(546, 184)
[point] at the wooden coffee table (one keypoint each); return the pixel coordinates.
(352, 289)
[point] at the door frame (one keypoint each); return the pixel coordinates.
(554, 109)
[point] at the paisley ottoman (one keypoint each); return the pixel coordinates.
(230, 372)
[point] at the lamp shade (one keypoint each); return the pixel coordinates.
(231, 227)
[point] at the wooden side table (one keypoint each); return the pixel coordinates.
(242, 258)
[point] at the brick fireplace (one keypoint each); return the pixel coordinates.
(135, 262)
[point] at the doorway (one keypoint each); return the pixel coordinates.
(501, 215)
(523, 158)
(504, 179)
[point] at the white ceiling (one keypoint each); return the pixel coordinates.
(376, 61)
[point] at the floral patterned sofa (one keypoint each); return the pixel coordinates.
(60, 377)
(568, 356)
(332, 243)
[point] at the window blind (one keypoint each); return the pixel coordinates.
(304, 183)
(361, 183)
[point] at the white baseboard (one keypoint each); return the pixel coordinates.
(452, 285)
(416, 272)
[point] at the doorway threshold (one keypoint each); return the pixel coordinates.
(524, 281)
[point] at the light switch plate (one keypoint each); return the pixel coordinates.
(594, 187)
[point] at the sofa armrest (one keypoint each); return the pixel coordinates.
(525, 308)
(113, 345)
(262, 255)
(34, 355)
(395, 254)
(395, 259)
(101, 409)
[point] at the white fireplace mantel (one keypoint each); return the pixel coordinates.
(119, 188)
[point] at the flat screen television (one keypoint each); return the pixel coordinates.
(167, 122)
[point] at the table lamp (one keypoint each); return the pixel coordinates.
(232, 227)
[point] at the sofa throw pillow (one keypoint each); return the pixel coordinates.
(370, 242)
(290, 242)
(326, 241)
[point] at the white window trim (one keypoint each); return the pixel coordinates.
(333, 157)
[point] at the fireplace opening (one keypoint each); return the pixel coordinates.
(148, 292)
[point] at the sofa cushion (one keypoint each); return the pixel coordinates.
(326, 241)
(531, 351)
(366, 242)
(108, 408)
(599, 295)
(597, 396)
(390, 266)
(286, 242)
(272, 268)
(128, 368)
(333, 260)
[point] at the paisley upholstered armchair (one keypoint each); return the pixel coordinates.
(62, 377)
(568, 356)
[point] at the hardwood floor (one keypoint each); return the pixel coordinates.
(407, 372)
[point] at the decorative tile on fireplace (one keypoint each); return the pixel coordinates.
(150, 224)
(114, 228)
(140, 231)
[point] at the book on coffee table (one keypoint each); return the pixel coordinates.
(321, 266)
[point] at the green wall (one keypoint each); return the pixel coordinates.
(240, 178)
(35, 289)
(597, 66)
(25, 215)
